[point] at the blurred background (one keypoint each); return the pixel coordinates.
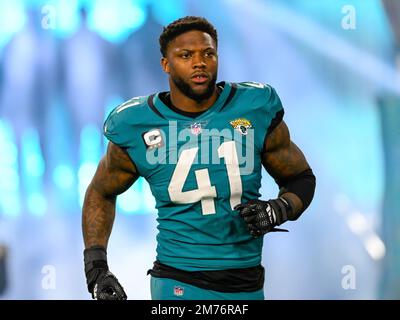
(335, 64)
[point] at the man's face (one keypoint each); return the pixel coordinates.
(192, 63)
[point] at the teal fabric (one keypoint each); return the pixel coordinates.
(192, 236)
(169, 289)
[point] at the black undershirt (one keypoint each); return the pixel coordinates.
(229, 280)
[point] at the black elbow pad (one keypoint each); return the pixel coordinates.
(302, 185)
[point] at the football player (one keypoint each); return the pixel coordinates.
(201, 146)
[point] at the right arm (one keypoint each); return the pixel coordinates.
(114, 175)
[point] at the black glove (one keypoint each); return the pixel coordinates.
(102, 284)
(262, 217)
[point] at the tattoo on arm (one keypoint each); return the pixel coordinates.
(114, 175)
(283, 159)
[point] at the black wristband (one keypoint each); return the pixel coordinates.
(95, 257)
(283, 209)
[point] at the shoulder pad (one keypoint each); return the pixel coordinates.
(118, 125)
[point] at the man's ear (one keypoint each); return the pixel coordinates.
(165, 64)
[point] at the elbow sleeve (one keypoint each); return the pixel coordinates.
(302, 185)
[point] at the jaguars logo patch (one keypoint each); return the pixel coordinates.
(241, 124)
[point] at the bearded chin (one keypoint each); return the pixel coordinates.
(187, 90)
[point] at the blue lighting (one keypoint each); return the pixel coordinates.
(12, 19)
(85, 175)
(166, 11)
(33, 161)
(63, 177)
(37, 204)
(90, 148)
(130, 201)
(90, 153)
(32, 172)
(116, 20)
(61, 16)
(9, 178)
(11, 206)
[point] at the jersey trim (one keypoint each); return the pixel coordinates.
(167, 101)
(274, 123)
(150, 102)
(231, 95)
(169, 113)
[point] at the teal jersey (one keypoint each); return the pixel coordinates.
(199, 169)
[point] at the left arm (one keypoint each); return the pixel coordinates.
(286, 163)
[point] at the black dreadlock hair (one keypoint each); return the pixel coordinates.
(183, 25)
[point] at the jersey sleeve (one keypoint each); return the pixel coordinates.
(263, 103)
(116, 130)
(274, 109)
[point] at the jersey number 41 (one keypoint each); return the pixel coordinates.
(205, 191)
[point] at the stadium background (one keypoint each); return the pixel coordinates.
(65, 64)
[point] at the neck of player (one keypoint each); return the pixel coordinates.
(184, 103)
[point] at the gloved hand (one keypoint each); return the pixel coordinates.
(102, 284)
(262, 217)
